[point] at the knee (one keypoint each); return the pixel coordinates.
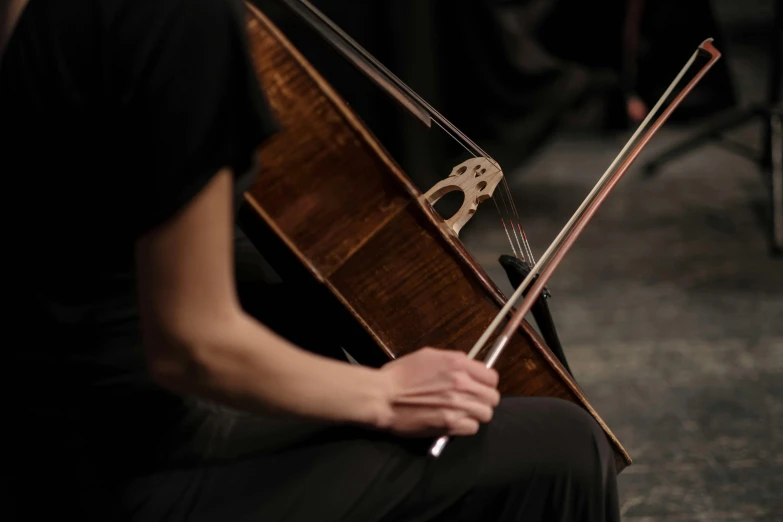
(570, 416)
(581, 449)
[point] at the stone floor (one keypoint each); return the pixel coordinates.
(669, 307)
(671, 314)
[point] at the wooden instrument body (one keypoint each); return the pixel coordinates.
(331, 196)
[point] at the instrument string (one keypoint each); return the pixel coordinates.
(518, 230)
(532, 260)
(525, 242)
(441, 121)
(500, 214)
(511, 222)
(437, 116)
(503, 221)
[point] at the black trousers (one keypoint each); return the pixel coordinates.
(539, 460)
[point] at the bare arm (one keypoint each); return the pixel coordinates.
(199, 341)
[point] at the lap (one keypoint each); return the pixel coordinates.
(536, 453)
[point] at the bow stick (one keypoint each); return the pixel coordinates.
(568, 235)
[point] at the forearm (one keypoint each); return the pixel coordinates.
(245, 365)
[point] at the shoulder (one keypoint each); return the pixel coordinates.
(155, 14)
(151, 29)
(159, 45)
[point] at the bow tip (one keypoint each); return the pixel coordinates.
(708, 46)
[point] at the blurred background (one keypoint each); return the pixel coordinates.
(670, 305)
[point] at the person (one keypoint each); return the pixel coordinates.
(139, 387)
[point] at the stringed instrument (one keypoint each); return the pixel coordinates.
(337, 214)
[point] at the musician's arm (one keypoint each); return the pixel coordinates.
(199, 341)
(200, 112)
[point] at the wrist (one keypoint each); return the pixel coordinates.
(376, 402)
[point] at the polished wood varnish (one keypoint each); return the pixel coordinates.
(347, 216)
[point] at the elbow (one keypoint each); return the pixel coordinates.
(191, 358)
(177, 362)
(173, 365)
